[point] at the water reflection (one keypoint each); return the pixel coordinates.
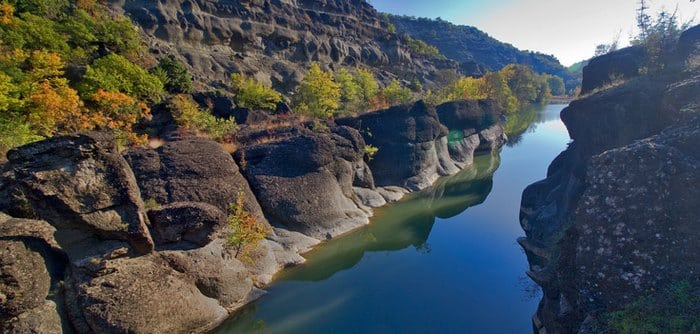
(401, 225)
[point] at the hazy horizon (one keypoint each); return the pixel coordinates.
(567, 29)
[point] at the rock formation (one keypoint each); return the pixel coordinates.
(139, 239)
(616, 216)
(276, 40)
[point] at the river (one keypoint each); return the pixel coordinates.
(444, 260)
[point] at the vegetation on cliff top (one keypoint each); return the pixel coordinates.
(69, 66)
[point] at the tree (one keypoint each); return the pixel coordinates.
(556, 85)
(245, 231)
(350, 90)
(369, 87)
(119, 112)
(176, 77)
(318, 94)
(496, 88)
(397, 94)
(53, 107)
(249, 93)
(116, 74)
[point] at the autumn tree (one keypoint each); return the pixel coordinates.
(318, 94)
(250, 93)
(119, 112)
(245, 232)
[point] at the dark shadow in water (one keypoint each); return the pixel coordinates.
(401, 225)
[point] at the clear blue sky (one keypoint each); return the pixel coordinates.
(568, 29)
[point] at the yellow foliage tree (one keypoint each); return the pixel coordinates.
(318, 94)
(253, 94)
(245, 231)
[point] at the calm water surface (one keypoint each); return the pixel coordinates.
(441, 261)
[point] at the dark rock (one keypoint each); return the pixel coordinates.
(304, 178)
(249, 116)
(77, 182)
(31, 264)
(192, 170)
(195, 222)
(406, 134)
(220, 105)
(468, 114)
(617, 65)
(637, 222)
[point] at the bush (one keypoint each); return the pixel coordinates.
(116, 74)
(249, 93)
(370, 151)
(188, 115)
(397, 94)
(318, 94)
(245, 231)
(174, 75)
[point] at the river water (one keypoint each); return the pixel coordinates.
(444, 260)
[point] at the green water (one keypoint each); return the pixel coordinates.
(443, 260)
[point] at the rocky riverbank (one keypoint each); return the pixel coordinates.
(98, 240)
(617, 216)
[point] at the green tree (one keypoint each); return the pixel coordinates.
(249, 93)
(114, 73)
(369, 87)
(318, 94)
(177, 78)
(397, 94)
(51, 9)
(350, 91)
(556, 84)
(496, 88)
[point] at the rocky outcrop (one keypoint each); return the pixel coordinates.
(615, 66)
(275, 40)
(616, 216)
(304, 178)
(165, 264)
(77, 182)
(31, 263)
(411, 134)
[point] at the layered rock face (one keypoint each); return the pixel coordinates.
(139, 239)
(616, 216)
(275, 40)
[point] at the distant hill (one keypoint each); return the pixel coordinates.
(476, 51)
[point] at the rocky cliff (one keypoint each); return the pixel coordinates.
(476, 51)
(98, 240)
(616, 219)
(276, 40)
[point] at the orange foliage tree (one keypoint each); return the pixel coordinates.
(120, 112)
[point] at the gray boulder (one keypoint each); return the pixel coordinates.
(195, 222)
(191, 170)
(304, 178)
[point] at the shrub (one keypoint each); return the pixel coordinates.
(245, 231)
(175, 76)
(252, 94)
(350, 91)
(369, 87)
(188, 115)
(370, 151)
(119, 112)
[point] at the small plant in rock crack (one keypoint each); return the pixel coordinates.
(245, 231)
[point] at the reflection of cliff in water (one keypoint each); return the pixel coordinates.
(403, 224)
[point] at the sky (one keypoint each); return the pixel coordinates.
(567, 29)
